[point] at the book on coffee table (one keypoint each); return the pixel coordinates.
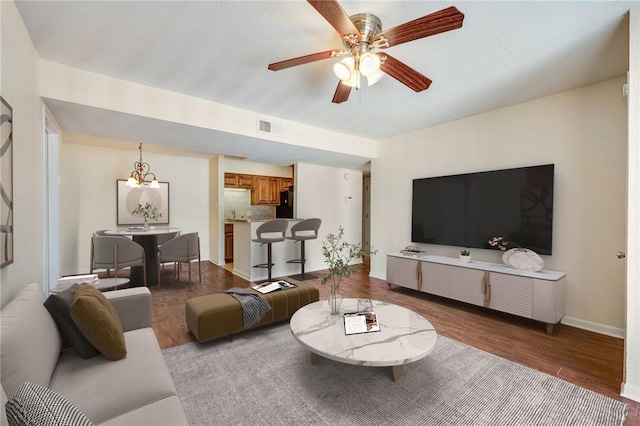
(268, 287)
(360, 322)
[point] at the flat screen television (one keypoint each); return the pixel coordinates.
(468, 210)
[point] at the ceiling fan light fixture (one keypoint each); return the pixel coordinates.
(375, 77)
(344, 69)
(354, 81)
(369, 63)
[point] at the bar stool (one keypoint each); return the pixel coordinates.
(303, 231)
(268, 233)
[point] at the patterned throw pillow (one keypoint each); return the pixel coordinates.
(36, 405)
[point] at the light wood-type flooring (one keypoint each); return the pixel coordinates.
(587, 359)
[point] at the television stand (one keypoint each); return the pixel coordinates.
(536, 295)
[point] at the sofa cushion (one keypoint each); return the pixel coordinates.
(31, 341)
(129, 384)
(58, 305)
(164, 412)
(35, 405)
(98, 321)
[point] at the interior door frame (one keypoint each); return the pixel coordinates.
(51, 249)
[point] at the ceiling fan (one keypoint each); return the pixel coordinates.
(361, 35)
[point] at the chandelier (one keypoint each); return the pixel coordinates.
(139, 174)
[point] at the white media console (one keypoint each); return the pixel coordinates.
(536, 295)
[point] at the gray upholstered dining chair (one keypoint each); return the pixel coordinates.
(163, 238)
(103, 233)
(116, 253)
(270, 232)
(300, 232)
(184, 248)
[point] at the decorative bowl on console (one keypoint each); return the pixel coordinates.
(523, 259)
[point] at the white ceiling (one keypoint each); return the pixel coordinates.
(507, 52)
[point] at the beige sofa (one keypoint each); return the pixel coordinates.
(136, 390)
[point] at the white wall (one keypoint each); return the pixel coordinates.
(320, 192)
(631, 385)
(19, 87)
(88, 177)
(82, 87)
(216, 210)
(584, 132)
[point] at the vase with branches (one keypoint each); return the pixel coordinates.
(338, 255)
(148, 212)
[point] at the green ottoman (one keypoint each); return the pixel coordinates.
(220, 315)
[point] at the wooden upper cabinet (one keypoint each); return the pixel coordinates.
(235, 180)
(285, 183)
(266, 190)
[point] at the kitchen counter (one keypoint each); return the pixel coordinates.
(256, 219)
(246, 253)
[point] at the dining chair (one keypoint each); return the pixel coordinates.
(163, 238)
(183, 248)
(116, 253)
(103, 233)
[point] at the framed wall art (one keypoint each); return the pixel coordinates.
(6, 184)
(129, 198)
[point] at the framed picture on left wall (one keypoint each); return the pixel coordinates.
(129, 198)
(6, 183)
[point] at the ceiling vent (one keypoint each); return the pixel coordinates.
(269, 127)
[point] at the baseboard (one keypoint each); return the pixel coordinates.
(594, 326)
(630, 392)
(378, 276)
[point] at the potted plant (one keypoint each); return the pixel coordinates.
(338, 255)
(465, 256)
(148, 211)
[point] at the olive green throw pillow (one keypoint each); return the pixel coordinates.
(98, 322)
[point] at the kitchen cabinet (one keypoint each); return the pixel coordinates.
(266, 190)
(228, 242)
(238, 181)
(285, 183)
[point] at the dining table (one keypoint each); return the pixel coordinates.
(148, 239)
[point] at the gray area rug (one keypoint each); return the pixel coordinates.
(265, 378)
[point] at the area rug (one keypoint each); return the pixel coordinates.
(265, 378)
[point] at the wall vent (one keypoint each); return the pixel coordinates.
(269, 127)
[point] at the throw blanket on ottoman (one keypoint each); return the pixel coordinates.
(254, 306)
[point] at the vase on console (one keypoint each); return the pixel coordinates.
(146, 225)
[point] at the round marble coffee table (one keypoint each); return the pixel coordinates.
(404, 337)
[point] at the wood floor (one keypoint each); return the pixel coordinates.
(587, 359)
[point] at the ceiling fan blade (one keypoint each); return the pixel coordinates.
(342, 93)
(336, 16)
(277, 66)
(405, 74)
(435, 23)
